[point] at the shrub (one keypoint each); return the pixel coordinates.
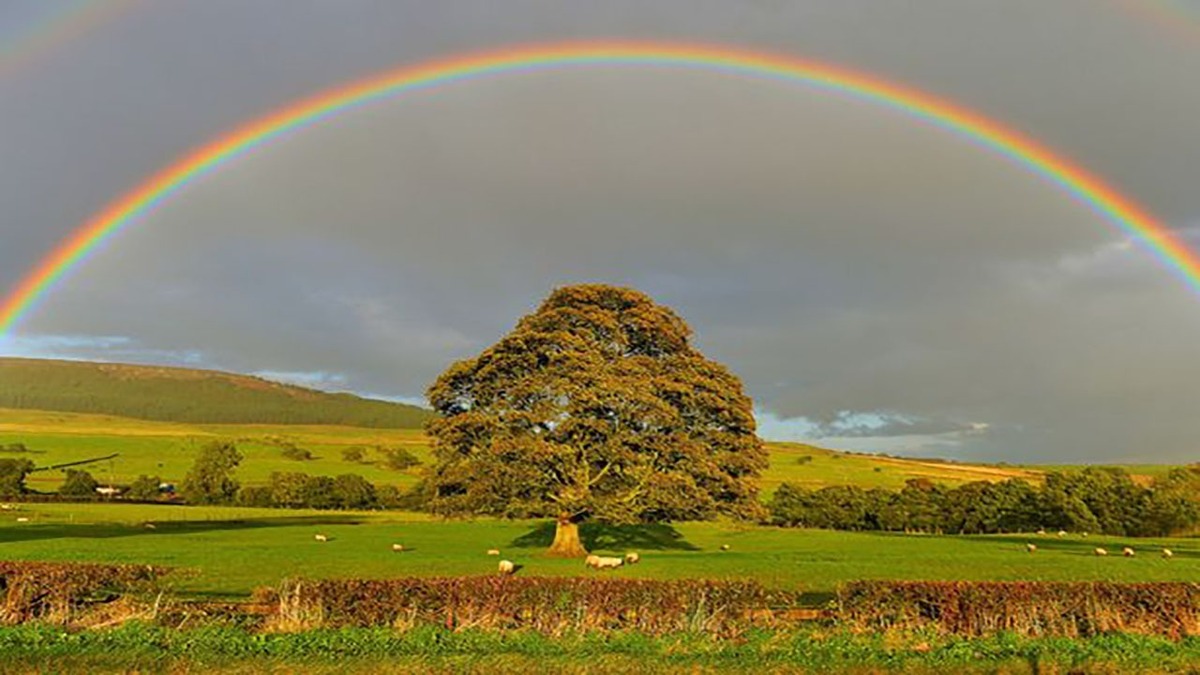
(399, 459)
(804, 459)
(12, 476)
(78, 484)
(1031, 608)
(355, 454)
(54, 591)
(296, 453)
(210, 481)
(547, 605)
(145, 488)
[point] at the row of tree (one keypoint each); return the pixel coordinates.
(1102, 500)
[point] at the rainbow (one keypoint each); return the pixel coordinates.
(987, 134)
(65, 23)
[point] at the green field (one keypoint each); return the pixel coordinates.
(166, 449)
(230, 551)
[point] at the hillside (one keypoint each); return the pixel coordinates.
(186, 395)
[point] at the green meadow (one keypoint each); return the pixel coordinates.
(167, 449)
(227, 552)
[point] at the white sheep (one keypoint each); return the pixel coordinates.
(1127, 552)
(321, 537)
(493, 551)
(724, 547)
(1041, 532)
(1031, 547)
(150, 526)
(22, 519)
(601, 563)
(632, 558)
(1167, 553)
(1100, 552)
(507, 567)
(1062, 533)
(398, 548)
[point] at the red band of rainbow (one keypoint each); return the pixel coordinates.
(1086, 188)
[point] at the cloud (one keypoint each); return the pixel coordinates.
(874, 280)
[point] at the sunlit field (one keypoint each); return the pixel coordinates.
(230, 551)
(167, 449)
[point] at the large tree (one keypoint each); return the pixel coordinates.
(595, 404)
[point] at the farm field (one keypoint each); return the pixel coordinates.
(230, 551)
(166, 449)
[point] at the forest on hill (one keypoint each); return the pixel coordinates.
(186, 395)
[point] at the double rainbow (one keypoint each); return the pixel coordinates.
(987, 134)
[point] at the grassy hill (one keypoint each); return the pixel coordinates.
(186, 395)
(167, 449)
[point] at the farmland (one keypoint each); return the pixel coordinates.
(166, 449)
(227, 552)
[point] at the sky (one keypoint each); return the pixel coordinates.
(877, 283)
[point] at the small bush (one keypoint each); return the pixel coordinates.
(547, 605)
(355, 454)
(804, 459)
(1030, 608)
(78, 484)
(296, 453)
(399, 459)
(55, 591)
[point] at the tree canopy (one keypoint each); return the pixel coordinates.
(595, 403)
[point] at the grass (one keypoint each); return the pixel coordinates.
(140, 647)
(230, 551)
(183, 394)
(167, 449)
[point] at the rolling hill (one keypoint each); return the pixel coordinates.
(187, 395)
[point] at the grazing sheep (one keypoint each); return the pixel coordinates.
(1127, 552)
(493, 551)
(320, 537)
(507, 567)
(1031, 547)
(150, 526)
(398, 548)
(602, 563)
(724, 547)
(22, 519)
(1083, 534)
(1100, 552)
(1167, 553)
(1041, 532)
(632, 558)
(1062, 533)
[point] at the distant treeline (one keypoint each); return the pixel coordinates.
(1101, 500)
(179, 395)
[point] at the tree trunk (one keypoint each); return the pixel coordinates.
(566, 539)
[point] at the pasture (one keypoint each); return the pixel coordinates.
(227, 552)
(167, 449)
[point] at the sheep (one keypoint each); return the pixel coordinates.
(1100, 552)
(493, 551)
(1041, 532)
(601, 563)
(724, 547)
(1083, 534)
(1167, 553)
(1062, 533)
(22, 519)
(1031, 547)
(632, 558)
(398, 548)
(1127, 552)
(321, 537)
(150, 526)
(507, 567)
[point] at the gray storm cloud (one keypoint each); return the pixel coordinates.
(841, 258)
